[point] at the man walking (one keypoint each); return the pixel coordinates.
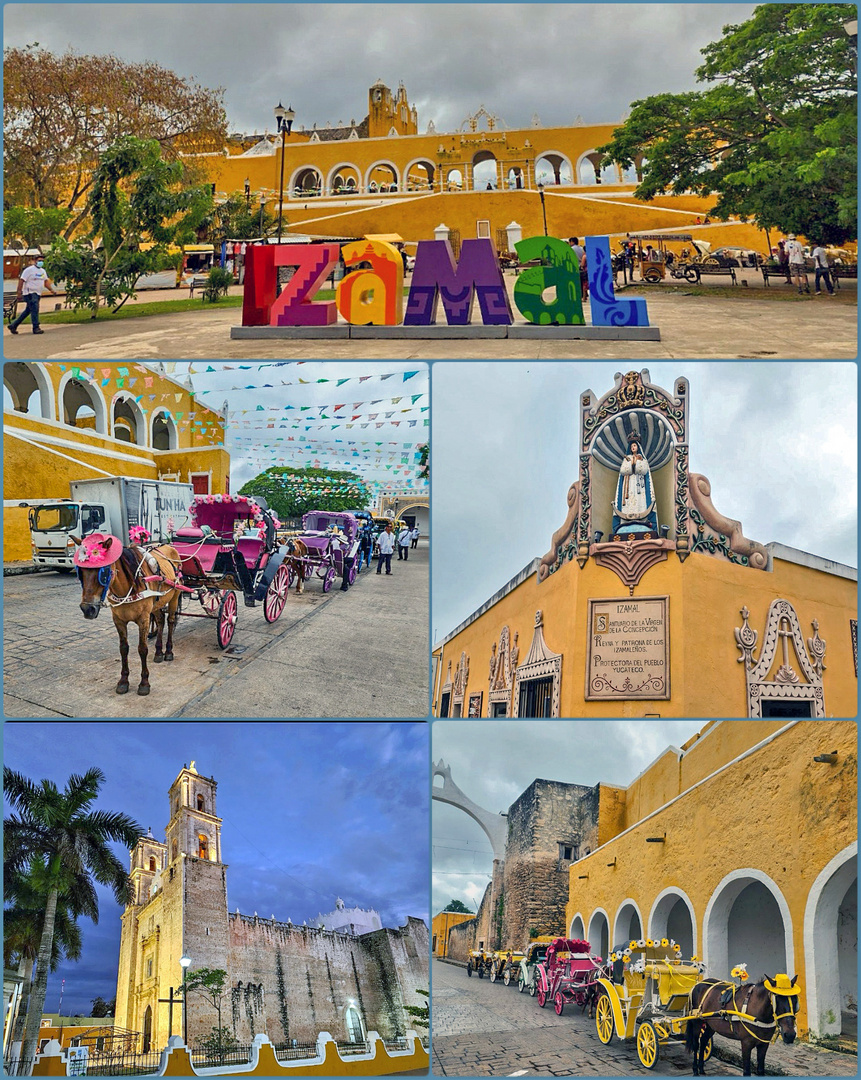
(796, 263)
(404, 542)
(386, 542)
(820, 264)
(30, 284)
(414, 538)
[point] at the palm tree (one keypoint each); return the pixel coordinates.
(64, 843)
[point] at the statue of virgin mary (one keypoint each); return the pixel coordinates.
(634, 507)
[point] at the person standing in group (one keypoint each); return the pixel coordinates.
(823, 272)
(796, 263)
(30, 284)
(580, 252)
(386, 543)
(414, 537)
(404, 542)
(366, 545)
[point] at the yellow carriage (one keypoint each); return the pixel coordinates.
(646, 997)
(505, 965)
(480, 962)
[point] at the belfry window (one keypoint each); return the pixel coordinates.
(173, 850)
(152, 864)
(200, 803)
(202, 847)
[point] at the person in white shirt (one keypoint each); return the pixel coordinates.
(404, 542)
(414, 537)
(796, 263)
(386, 543)
(820, 265)
(30, 284)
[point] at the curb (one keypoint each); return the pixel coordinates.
(12, 569)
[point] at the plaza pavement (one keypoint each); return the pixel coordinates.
(363, 653)
(489, 1029)
(741, 325)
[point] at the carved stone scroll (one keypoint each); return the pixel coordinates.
(555, 557)
(719, 535)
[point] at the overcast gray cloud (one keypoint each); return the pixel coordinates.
(554, 60)
(493, 762)
(777, 441)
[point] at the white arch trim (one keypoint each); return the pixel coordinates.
(564, 159)
(290, 186)
(715, 947)
(333, 172)
(579, 915)
(46, 393)
(665, 901)
(820, 913)
(100, 407)
(124, 397)
(425, 161)
(599, 912)
(626, 904)
(171, 423)
(383, 163)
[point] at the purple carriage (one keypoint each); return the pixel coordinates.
(231, 545)
(329, 537)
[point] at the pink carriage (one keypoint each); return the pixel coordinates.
(568, 974)
(329, 537)
(231, 545)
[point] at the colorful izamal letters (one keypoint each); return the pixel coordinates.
(373, 294)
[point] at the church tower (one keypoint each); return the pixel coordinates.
(389, 112)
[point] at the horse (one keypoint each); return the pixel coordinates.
(135, 584)
(752, 1013)
(297, 553)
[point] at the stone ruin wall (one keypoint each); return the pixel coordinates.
(293, 982)
(547, 814)
(466, 936)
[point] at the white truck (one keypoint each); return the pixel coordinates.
(110, 505)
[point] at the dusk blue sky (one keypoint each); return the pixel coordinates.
(311, 811)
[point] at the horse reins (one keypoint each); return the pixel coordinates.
(744, 1018)
(106, 579)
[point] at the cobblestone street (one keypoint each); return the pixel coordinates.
(489, 1029)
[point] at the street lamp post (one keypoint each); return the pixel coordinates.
(262, 204)
(285, 123)
(247, 193)
(543, 208)
(184, 961)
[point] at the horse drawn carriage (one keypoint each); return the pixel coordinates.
(231, 547)
(568, 974)
(536, 950)
(329, 540)
(479, 961)
(504, 966)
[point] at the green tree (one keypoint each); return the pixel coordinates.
(424, 461)
(774, 137)
(138, 209)
(64, 844)
(217, 1044)
(236, 218)
(458, 905)
(293, 492)
(100, 1007)
(211, 984)
(27, 226)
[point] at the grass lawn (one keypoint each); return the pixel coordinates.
(134, 311)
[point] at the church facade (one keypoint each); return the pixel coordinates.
(650, 600)
(287, 981)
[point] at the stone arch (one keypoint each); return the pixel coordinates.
(163, 433)
(306, 182)
(672, 916)
(454, 180)
(146, 1044)
(353, 1023)
(577, 928)
(345, 174)
(485, 170)
(590, 173)
(561, 172)
(128, 418)
(202, 846)
(628, 924)
(382, 172)
(152, 863)
(747, 911)
(421, 513)
(494, 826)
(414, 181)
(832, 900)
(598, 934)
(23, 381)
(76, 393)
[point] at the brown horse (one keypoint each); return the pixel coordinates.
(297, 553)
(134, 590)
(751, 1014)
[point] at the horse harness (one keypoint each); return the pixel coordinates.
(106, 575)
(742, 1017)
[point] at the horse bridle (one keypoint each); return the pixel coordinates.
(740, 1016)
(105, 577)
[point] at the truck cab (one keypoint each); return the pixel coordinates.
(54, 522)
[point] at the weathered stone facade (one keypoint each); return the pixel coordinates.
(289, 982)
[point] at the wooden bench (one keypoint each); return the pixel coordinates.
(10, 302)
(199, 281)
(704, 270)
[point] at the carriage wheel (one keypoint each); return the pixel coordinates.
(707, 1052)
(604, 1019)
(352, 575)
(652, 275)
(329, 579)
(533, 988)
(521, 985)
(480, 970)
(542, 997)
(469, 970)
(291, 574)
(506, 978)
(648, 1044)
(494, 974)
(210, 600)
(276, 594)
(226, 618)
(559, 1003)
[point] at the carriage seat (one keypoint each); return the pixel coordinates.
(189, 532)
(198, 559)
(250, 548)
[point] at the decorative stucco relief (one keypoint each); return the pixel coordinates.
(719, 535)
(556, 556)
(540, 663)
(782, 628)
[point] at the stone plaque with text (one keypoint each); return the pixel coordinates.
(628, 657)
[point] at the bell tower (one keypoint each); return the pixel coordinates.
(194, 829)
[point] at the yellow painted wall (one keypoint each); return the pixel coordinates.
(440, 927)
(41, 455)
(777, 811)
(706, 595)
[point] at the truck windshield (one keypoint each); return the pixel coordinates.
(61, 518)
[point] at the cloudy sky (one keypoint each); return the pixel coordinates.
(558, 61)
(777, 441)
(311, 812)
(493, 762)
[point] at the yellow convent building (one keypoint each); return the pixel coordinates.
(650, 601)
(65, 422)
(381, 176)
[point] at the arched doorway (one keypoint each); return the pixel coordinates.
(831, 931)
(82, 405)
(419, 175)
(29, 390)
(355, 1031)
(553, 169)
(599, 933)
(485, 171)
(382, 177)
(577, 930)
(628, 925)
(454, 180)
(127, 421)
(307, 182)
(147, 1031)
(672, 916)
(164, 435)
(344, 180)
(747, 919)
